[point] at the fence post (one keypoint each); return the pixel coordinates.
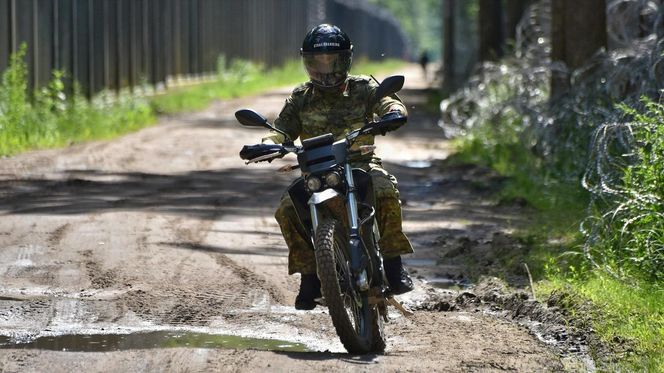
(5, 33)
(111, 44)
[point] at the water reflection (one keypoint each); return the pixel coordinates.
(158, 339)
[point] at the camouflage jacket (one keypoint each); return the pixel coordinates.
(311, 112)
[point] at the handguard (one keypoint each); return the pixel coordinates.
(388, 122)
(250, 152)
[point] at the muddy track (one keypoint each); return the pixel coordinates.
(165, 234)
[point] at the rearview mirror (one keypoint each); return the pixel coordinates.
(389, 86)
(250, 118)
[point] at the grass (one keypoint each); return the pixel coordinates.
(555, 208)
(244, 78)
(241, 78)
(626, 311)
(629, 319)
(51, 118)
(529, 178)
(630, 227)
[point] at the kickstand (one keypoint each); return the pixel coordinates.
(403, 309)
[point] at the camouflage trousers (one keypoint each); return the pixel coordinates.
(393, 242)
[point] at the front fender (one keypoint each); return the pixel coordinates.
(320, 197)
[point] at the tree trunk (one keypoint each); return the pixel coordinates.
(449, 78)
(514, 10)
(578, 30)
(491, 30)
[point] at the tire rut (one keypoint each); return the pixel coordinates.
(99, 278)
(182, 301)
(58, 234)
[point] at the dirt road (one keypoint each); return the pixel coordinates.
(158, 252)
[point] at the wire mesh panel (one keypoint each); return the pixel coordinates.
(118, 44)
(5, 33)
(23, 32)
(123, 43)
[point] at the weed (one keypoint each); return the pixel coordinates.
(628, 319)
(49, 118)
(616, 261)
(243, 78)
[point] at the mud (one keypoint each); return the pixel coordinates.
(166, 230)
(467, 259)
(545, 320)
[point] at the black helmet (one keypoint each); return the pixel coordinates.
(327, 54)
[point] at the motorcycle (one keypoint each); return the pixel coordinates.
(335, 204)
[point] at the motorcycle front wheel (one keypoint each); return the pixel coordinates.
(356, 321)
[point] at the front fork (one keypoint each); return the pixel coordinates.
(358, 268)
(355, 243)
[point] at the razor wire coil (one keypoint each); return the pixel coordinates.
(586, 121)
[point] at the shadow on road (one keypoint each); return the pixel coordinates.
(201, 194)
(260, 251)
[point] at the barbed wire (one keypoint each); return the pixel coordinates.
(583, 129)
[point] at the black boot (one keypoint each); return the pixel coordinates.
(309, 291)
(397, 276)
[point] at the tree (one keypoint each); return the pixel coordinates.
(514, 10)
(578, 31)
(449, 76)
(491, 30)
(420, 20)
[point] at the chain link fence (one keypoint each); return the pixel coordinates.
(115, 44)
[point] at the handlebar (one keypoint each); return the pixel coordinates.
(380, 127)
(266, 152)
(269, 152)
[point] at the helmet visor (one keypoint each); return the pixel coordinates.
(328, 69)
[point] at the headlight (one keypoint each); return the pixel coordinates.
(333, 179)
(313, 184)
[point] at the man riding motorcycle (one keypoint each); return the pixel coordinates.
(335, 102)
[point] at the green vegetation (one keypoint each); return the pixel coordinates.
(243, 78)
(613, 267)
(51, 118)
(558, 205)
(629, 230)
(420, 20)
(628, 318)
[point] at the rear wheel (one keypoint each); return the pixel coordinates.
(355, 321)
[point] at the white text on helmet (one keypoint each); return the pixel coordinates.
(327, 44)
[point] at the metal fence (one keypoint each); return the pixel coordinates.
(115, 44)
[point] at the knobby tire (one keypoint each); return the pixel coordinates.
(332, 241)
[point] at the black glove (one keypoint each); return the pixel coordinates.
(250, 152)
(390, 122)
(391, 115)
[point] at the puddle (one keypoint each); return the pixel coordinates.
(437, 280)
(417, 164)
(420, 262)
(160, 339)
(422, 205)
(448, 283)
